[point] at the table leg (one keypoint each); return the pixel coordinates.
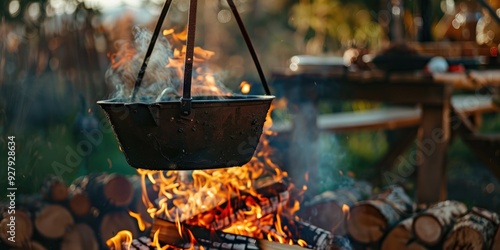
(432, 148)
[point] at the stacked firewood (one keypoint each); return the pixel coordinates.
(80, 216)
(390, 220)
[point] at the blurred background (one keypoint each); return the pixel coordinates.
(54, 55)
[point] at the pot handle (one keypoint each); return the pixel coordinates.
(151, 46)
(246, 37)
(188, 65)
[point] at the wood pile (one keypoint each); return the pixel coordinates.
(82, 215)
(390, 220)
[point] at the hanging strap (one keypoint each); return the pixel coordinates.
(188, 63)
(249, 45)
(154, 37)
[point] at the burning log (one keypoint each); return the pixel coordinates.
(431, 226)
(370, 219)
(143, 243)
(271, 196)
(186, 235)
(54, 190)
(328, 210)
(23, 228)
(106, 191)
(52, 221)
(80, 237)
(401, 237)
(475, 230)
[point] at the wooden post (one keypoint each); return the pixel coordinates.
(432, 146)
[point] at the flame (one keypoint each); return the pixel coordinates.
(204, 82)
(124, 55)
(204, 197)
(245, 87)
(140, 221)
(346, 211)
(121, 238)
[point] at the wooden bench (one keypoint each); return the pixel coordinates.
(486, 147)
(407, 120)
(378, 119)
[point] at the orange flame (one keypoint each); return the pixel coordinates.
(346, 211)
(245, 87)
(121, 238)
(124, 55)
(207, 194)
(140, 221)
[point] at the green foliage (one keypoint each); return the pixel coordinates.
(344, 24)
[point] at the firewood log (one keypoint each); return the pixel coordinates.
(52, 221)
(54, 189)
(496, 240)
(434, 223)
(78, 201)
(327, 210)
(475, 230)
(370, 219)
(143, 243)
(168, 233)
(114, 222)
(23, 228)
(401, 237)
(106, 191)
(272, 195)
(80, 237)
(31, 245)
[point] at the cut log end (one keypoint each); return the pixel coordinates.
(80, 204)
(23, 229)
(366, 224)
(80, 237)
(428, 229)
(119, 190)
(53, 221)
(32, 245)
(396, 239)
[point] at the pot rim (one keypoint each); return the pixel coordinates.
(196, 100)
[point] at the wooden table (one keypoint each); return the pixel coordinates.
(433, 94)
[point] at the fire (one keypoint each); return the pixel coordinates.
(121, 238)
(123, 56)
(204, 82)
(346, 211)
(245, 87)
(202, 197)
(140, 222)
(206, 196)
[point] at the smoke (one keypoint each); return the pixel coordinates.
(163, 80)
